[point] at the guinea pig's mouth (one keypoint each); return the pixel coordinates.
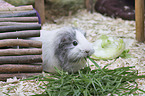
(78, 59)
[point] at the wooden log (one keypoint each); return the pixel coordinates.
(139, 17)
(19, 19)
(17, 23)
(4, 77)
(20, 42)
(89, 5)
(22, 14)
(20, 34)
(25, 59)
(14, 52)
(40, 7)
(8, 12)
(20, 27)
(21, 8)
(11, 68)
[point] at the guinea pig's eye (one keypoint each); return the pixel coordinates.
(75, 43)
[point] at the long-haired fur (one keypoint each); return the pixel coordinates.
(65, 48)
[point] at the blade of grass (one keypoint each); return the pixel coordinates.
(109, 64)
(89, 82)
(95, 64)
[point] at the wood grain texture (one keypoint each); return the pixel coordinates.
(19, 19)
(20, 34)
(20, 27)
(139, 17)
(17, 23)
(8, 12)
(24, 59)
(89, 5)
(20, 42)
(20, 8)
(40, 7)
(10, 68)
(15, 52)
(4, 77)
(21, 14)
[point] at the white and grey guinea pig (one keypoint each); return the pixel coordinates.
(65, 48)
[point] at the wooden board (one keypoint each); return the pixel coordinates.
(139, 17)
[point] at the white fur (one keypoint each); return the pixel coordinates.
(83, 45)
(50, 60)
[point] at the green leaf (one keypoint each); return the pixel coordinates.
(125, 54)
(108, 47)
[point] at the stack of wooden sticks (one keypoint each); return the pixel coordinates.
(19, 56)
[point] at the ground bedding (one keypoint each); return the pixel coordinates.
(95, 25)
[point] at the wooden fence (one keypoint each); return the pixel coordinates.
(19, 56)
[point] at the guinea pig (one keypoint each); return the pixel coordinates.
(65, 48)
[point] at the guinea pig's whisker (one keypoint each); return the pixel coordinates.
(69, 63)
(65, 65)
(76, 58)
(71, 55)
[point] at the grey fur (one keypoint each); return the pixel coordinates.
(65, 44)
(58, 49)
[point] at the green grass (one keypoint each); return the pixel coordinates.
(87, 82)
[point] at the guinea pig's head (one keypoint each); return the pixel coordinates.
(72, 46)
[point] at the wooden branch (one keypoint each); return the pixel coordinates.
(21, 8)
(20, 42)
(8, 12)
(139, 17)
(11, 68)
(40, 7)
(16, 23)
(14, 52)
(19, 19)
(4, 77)
(26, 59)
(20, 34)
(89, 5)
(22, 14)
(20, 27)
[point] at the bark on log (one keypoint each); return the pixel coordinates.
(20, 28)
(4, 77)
(17, 23)
(26, 59)
(21, 8)
(40, 7)
(9, 68)
(20, 42)
(19, 19)
(14, 52)
(8, 12)
(89, 5)
(20, 34)
(22, 14)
